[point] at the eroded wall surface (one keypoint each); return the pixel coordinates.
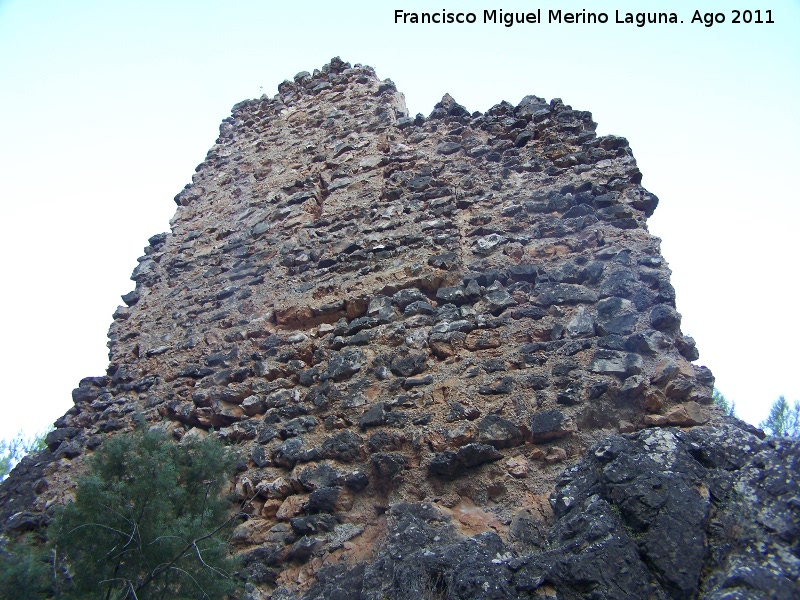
(397, 317)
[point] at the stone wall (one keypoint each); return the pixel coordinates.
(386, 311)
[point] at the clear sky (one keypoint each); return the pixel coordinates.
(107, 107)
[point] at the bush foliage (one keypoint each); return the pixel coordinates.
(783, 419)
(149, 520)
(727, 406)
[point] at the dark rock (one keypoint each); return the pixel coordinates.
(259, 563)
(537, 382)
(498, 300)
(267, 434)
(686, 346)
(499, 432)
(532, 107)
(528, 529)
(385, 441)
(396, 419)
(380, 308)
(621, 282)
(319, 476)
(410, 382)
(94, 442)
(406, 366)
(563, 293)
(452, 464)
(259, 457)
(460, 412)
(632, 520)
(388, 465)
(72, 449)
(476, 454)
(418, 307)
(549, 425)
(444, 261)
(446, 464)
(568, 397)
(616, 316)
(448, 148)
(581, 324)
(131, 298)
(303, 548)
(357, 480)
(288, 453)
(85, 394)
(360, 323)
(406, 296)
(621, 364)
(298, 426)
(452, 295)
(423, 419)
(647, 342)
(323, 500)
(345, 447)
(528, 312)
(314, 523)
(195, 372)
(375, 416)
(523, 273)
(419, 183)
(494, 365)
(664, 318)
(523, 138)
(56, 436)
(345, 364)
(504, 386)
(25, 521)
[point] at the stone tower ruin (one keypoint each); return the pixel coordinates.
(410, 327)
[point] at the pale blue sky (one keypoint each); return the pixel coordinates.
(107, 107)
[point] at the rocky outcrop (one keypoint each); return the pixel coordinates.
(709, 512)
(408, 327)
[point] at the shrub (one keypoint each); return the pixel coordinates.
(783, 419)
(727, 406)
(24, 570)
(149, 520)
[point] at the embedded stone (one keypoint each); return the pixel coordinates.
(408, 295)
(342, 365)
(448, 148)
(563, 293)
(611, 362)
(498, 300)
(476, 454)
(323, 500)
(406, 366)
(549, 425)
(499, 432)
(664, 318)
(344, 446)
(581, 324)
(375, 416)
(388, 465)
(451, 295)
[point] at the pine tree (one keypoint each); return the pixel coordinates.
(783, 419)
(727, 406)
(150, 520)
